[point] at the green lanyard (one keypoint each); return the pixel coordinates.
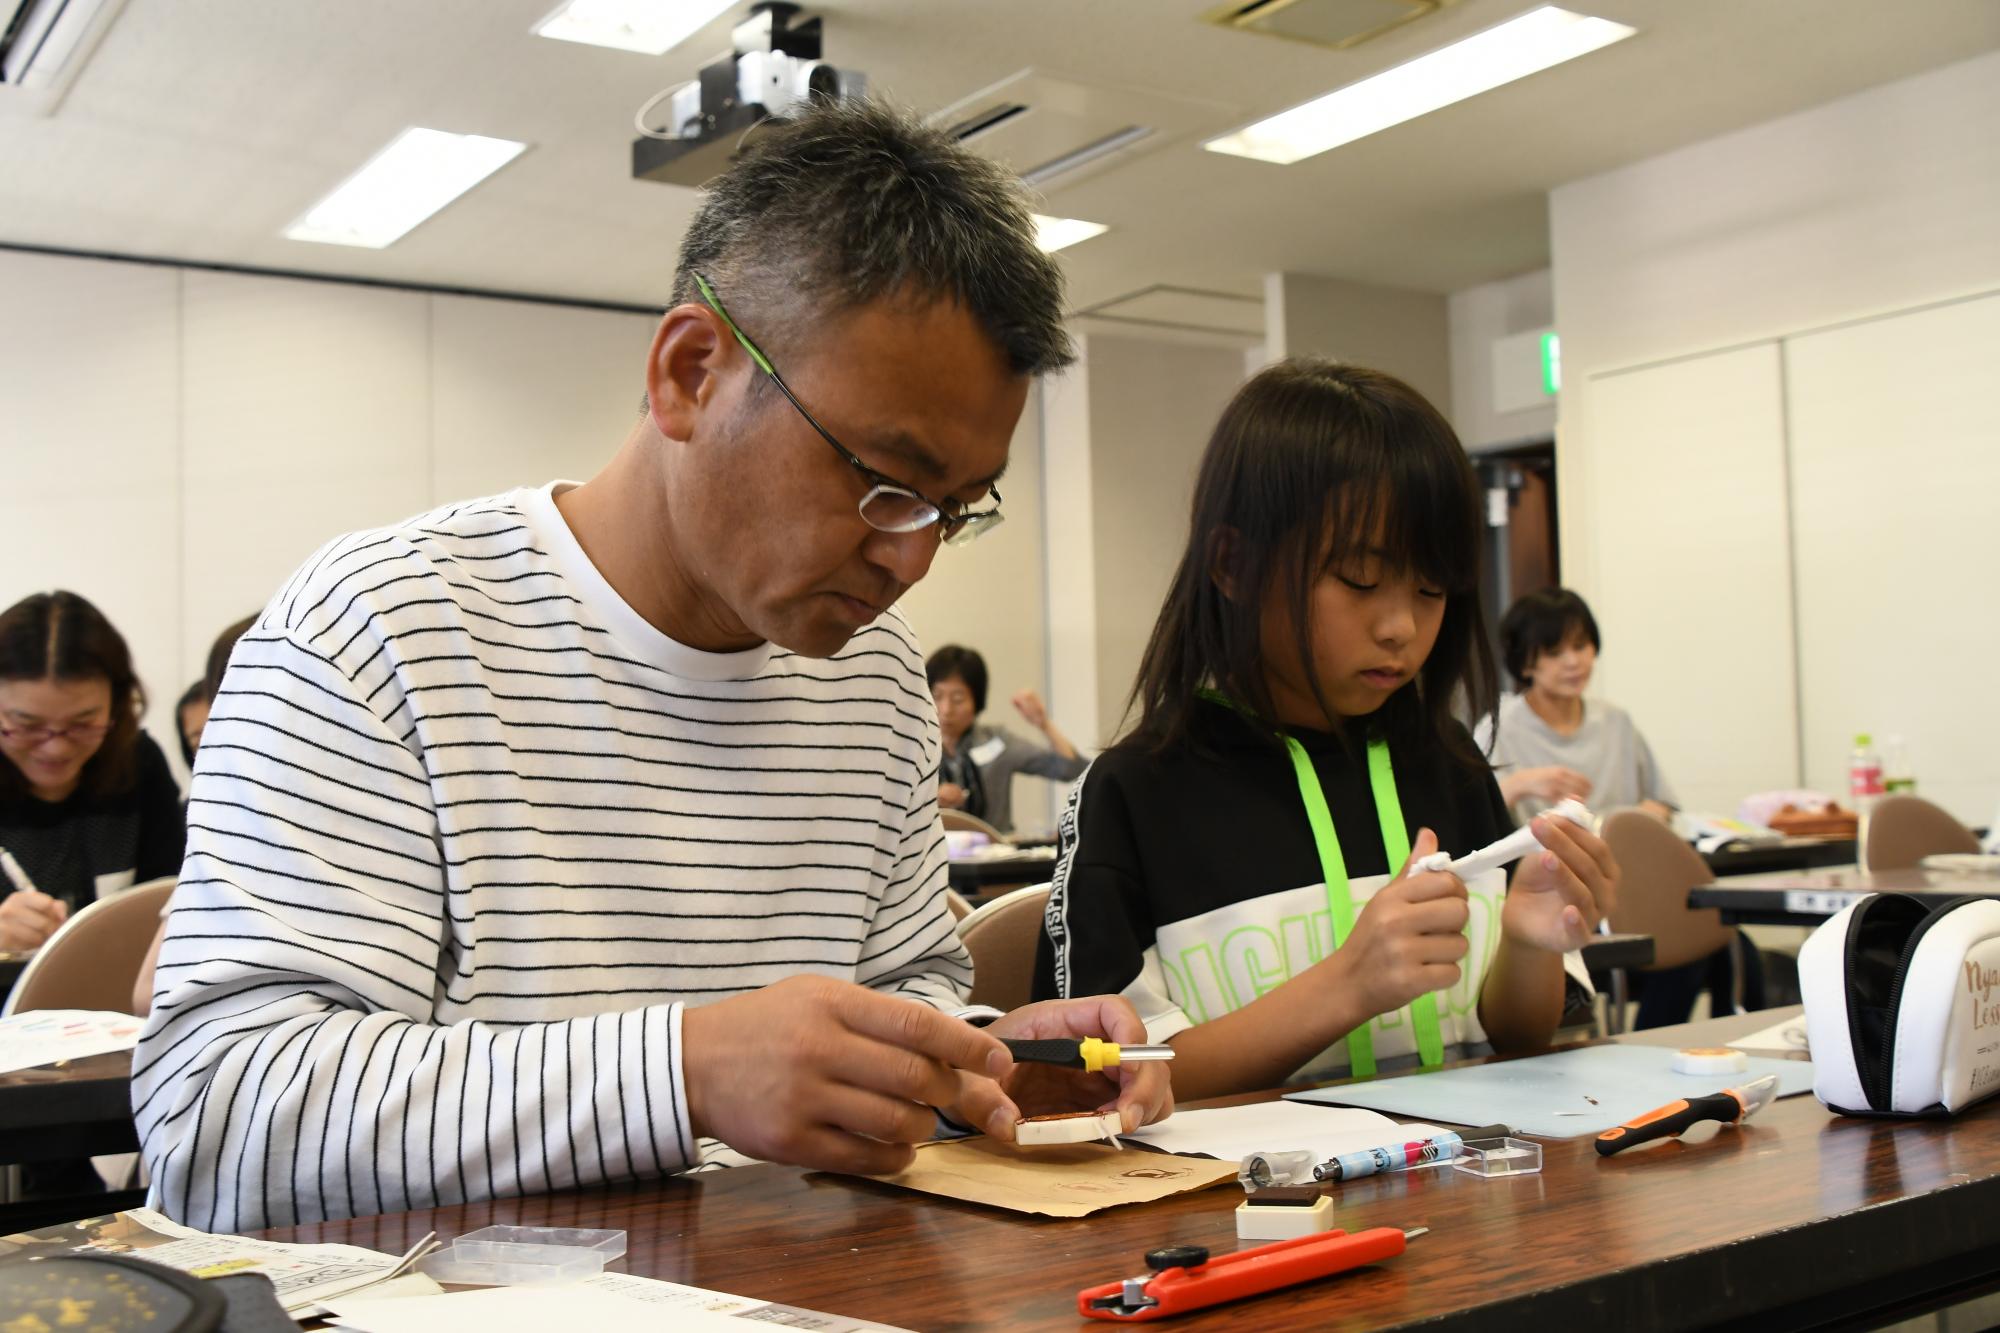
(1340, 900)
(1340, 908)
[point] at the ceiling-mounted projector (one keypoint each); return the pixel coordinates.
(773, 70)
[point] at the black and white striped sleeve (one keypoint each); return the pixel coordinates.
(292, 1068)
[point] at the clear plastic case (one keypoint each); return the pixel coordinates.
(451, 1266)
(1499, 1157)
(538, 1244)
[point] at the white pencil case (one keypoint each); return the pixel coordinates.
(1903, 1006)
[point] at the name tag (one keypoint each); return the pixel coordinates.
(987, 750)
(1819, 902)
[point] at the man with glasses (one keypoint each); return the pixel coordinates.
(540, 838)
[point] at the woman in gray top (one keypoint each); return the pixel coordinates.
(1546, 741)
(977, 773)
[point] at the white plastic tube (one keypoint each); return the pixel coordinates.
(1521, 842)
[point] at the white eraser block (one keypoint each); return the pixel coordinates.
(1710, 1060)
(1287, 1222)
(1069, 1129)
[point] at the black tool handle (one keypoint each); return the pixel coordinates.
(1671, 1119)
(1048, 1051)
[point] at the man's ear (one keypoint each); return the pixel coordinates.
(1224, 559)
(690, 347)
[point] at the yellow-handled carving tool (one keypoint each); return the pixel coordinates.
(1087, 1053)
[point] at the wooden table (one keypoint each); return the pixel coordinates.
(76, 1108)
(1808, 897)
(1800, 1220)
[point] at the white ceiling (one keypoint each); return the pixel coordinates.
(198, 131)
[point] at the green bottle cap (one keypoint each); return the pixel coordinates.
(1863, 740)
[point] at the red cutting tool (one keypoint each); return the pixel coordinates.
(1184, 1278)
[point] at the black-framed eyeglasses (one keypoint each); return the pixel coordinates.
(40, 733)
(889, 505)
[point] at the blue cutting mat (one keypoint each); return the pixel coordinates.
(1627, 1081)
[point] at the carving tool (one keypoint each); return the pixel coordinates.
(1088, 1053)
(1731, 1106)
(1184, 1278)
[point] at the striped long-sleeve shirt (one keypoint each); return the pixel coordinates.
(465, 835)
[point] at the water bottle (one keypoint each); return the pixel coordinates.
(1864, 788)
(1897, 779)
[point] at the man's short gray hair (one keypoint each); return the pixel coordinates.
(857, 201)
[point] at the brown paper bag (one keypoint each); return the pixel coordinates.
(1073, 1180)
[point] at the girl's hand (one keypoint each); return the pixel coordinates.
(1408, 939)
(1559, 894)
(1029, 705)
(1555, 783)
(951, 796)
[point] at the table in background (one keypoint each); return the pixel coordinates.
(1808, 897)
(1798, 1220)
(75, 1108)
(975, 876)
(1602, 953)
(1739, 858)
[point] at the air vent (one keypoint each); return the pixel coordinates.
(1052, 131)
(1338, 24)
(44, 45)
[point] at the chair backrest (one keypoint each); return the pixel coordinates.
(1657, 870)
(958, 820)
(1903, 830)
(93, 961)
(1002, 937)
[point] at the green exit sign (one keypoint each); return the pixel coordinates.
(1551, 363)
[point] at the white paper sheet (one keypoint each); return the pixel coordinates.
(44, 1036)
(1234, 1132)
(525, 1310)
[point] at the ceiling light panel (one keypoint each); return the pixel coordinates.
(1535, 41)
(1053, 234)
(416, 175)
(651, 27)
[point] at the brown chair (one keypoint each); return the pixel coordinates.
(956, 903)
(1002, 937)
(1903, 830)
(1657, 870)
(93, 961)
(959, 821)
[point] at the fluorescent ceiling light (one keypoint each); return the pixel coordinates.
(417, 174)
(653, 27)
(1535, 41)
(1053, 234)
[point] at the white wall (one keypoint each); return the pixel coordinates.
(1477, 317)
(1384, 328)
(1878, 203)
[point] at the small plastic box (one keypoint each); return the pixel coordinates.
(1499, 1157)
(451, 1265)
(538, 1244)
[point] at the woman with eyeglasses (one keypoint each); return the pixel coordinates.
(87, 803)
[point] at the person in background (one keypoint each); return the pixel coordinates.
(192, 715)
(88, 805)
(977, 775)
(194, 708)
(1546, 743)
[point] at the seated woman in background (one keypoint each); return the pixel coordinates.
(1546, 742)
(977, 775)
(192, 715)
(87, 803)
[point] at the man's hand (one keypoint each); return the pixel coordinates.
(1140, 1093)
(1559, 893)
(1408, 939)
(28, 918)
(827, 1074)
(1029, 705)
(951, 796)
